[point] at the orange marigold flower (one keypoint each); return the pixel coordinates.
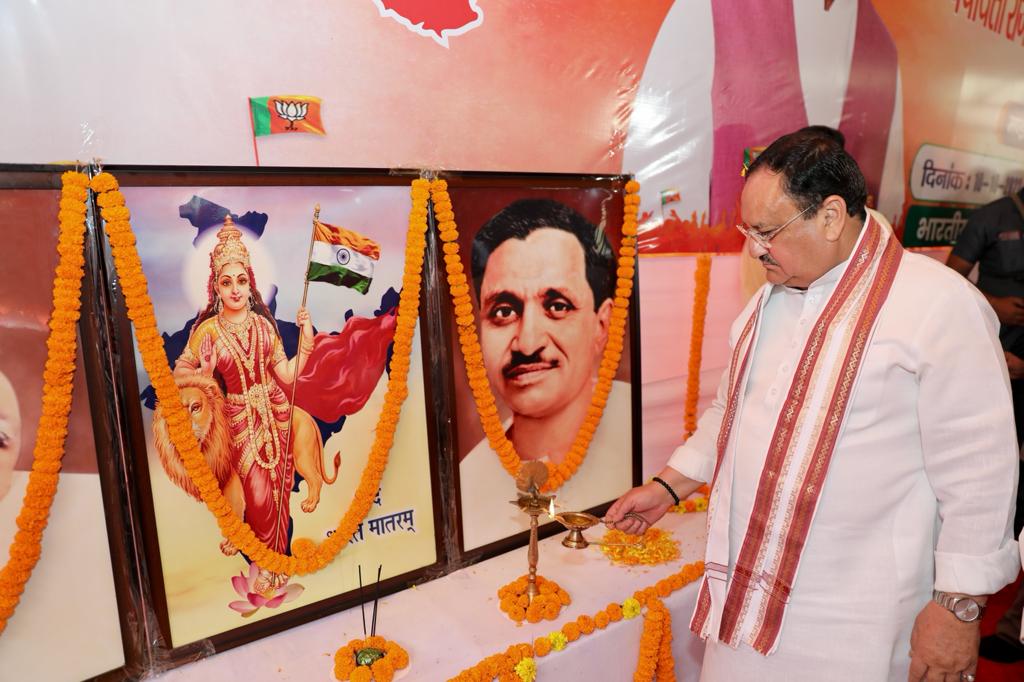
(361, 674)
(541, 646)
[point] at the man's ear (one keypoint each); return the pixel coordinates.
(604, 316)
(834, 207)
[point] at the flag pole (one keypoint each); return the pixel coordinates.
(298, 349)
(252, 126)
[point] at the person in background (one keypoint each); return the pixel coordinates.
(993, 239)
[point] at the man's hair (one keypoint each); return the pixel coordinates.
(826, 131)
(520, 218)
(814, 165)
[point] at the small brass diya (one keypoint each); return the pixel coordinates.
(577, 522)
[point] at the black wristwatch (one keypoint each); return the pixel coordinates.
(966, 609)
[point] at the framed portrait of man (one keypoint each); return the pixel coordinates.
(76, 566)
(277, 295)
(541, 254)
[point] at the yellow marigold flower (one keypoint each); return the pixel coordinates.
(527, 670)
(630, 608)
(558, 640)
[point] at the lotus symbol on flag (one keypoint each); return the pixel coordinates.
(291, 111)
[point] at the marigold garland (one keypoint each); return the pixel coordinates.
(655, 645)
(657, 546)
(382, 670)
(58, 380)
(654, 659)
(515, 602)
(465, 320)
(702, 285)
(306, 557)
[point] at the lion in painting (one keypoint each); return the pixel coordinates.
(204, 402)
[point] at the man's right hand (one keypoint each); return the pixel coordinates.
(650, 501)
(1009, 309)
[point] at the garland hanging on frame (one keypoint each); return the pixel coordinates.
(306, 557)
(465, 320)
(58, 380)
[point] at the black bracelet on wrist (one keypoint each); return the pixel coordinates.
(667, 487)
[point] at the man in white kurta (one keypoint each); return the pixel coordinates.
(918, 488)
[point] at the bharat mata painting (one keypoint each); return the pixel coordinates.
(227, 269)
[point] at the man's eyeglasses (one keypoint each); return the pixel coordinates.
(765, 237)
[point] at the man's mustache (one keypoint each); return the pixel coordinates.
(520, 363)
(767, 259)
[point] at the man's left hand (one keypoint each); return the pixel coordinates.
(942, 647)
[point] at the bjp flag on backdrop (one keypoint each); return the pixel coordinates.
(342, 257)
(285, 114)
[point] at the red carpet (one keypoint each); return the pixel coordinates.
(999, 672)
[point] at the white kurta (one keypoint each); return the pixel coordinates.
(919, 492)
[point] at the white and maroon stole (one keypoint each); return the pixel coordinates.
(750, 607)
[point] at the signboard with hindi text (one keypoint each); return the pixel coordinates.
(948, 175)
(934, 225)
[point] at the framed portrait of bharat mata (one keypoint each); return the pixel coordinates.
(277, 296)
(541, 254)
(76, 551)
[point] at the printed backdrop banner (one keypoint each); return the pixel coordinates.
(670, 91)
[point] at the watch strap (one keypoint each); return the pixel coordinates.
(949, 601)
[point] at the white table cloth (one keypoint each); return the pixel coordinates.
(451, 623)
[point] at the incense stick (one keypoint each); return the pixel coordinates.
(362, 606)
(376, 598)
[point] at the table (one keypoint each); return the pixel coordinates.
(451, 623)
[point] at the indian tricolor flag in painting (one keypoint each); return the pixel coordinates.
(342, 257)
(285, 114)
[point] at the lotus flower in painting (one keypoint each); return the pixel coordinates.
(253, 598)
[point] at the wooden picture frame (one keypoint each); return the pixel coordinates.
(476, 198)
(161, 186)
(88, 538)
